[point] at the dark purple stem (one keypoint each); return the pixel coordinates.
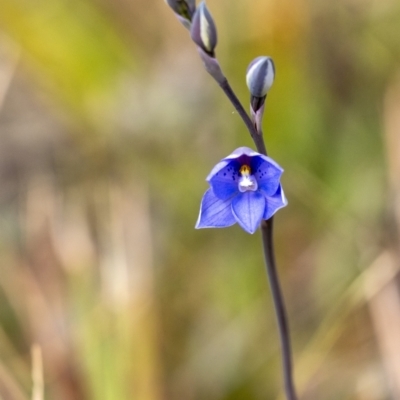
(257, 138)
(269, 256)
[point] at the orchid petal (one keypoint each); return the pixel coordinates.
(214, 212)
(274, 203)
(240, 152)
(267, 173)
(248, 209)
(224, 181)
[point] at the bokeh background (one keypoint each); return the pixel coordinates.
(108, 128)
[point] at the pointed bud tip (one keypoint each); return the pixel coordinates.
(184, 10)
(260, 76)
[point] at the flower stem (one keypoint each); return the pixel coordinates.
(269, 256)
(257, 138)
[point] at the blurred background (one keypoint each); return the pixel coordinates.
(109, 126)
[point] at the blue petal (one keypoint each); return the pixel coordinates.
(274, 203)
(248, 209)
(267, 173)
(214, 212)
(242, 151)
(217, 168)
(224, 179)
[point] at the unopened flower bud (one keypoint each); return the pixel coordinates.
(260, 76)
(184, 10)
(203, 30)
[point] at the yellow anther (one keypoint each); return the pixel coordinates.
(245, 170)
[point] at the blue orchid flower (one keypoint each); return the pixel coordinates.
(245, 189)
